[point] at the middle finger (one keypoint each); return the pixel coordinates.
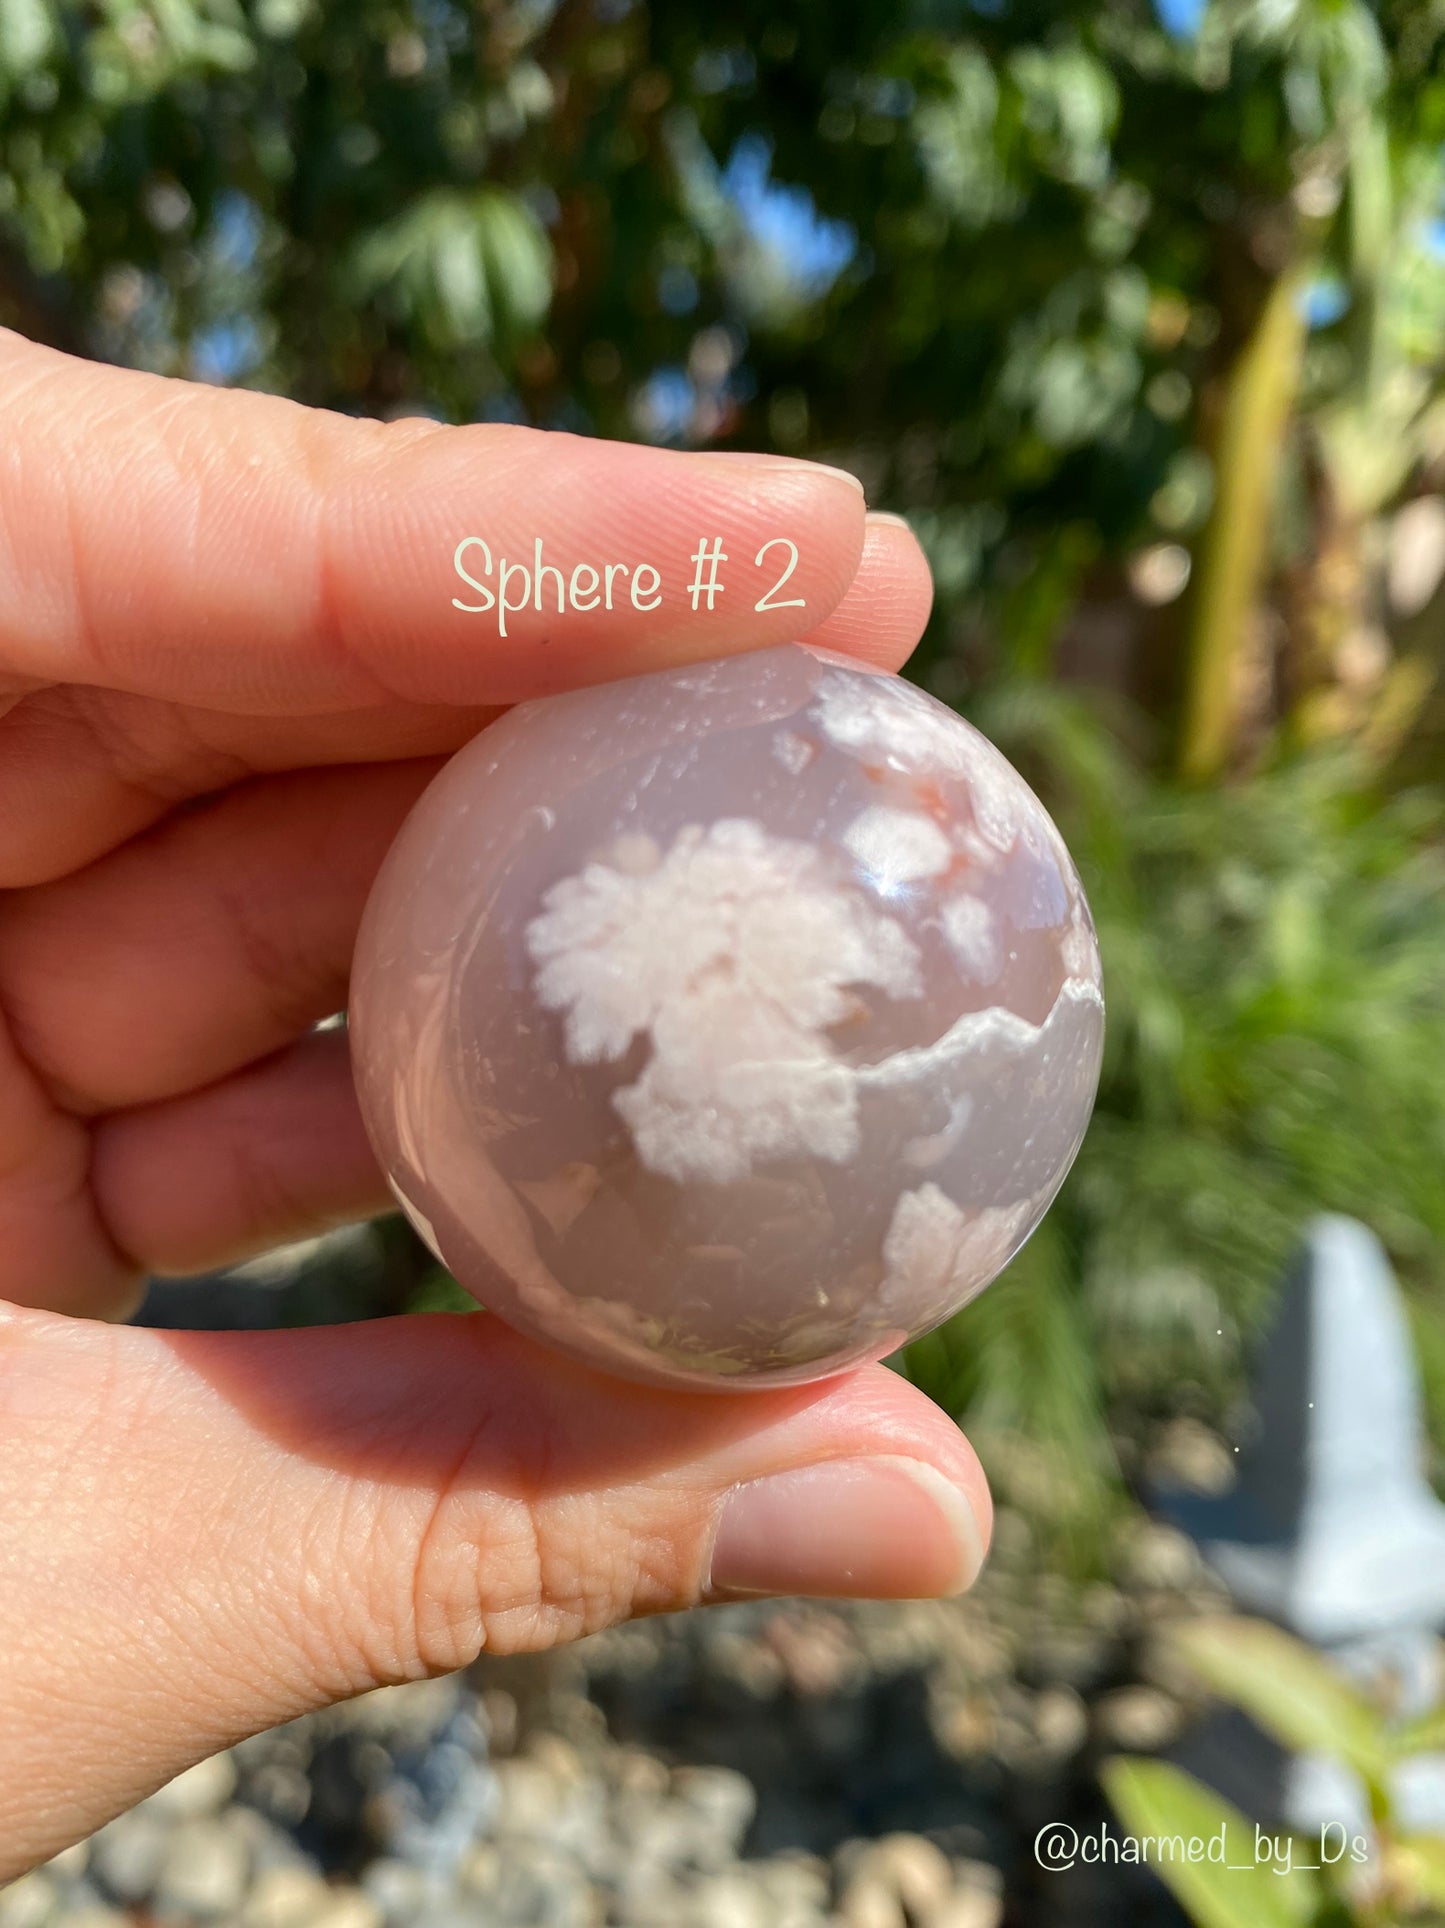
(208, 942)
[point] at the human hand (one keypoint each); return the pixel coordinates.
(229, 663)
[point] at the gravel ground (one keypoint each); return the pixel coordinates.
(772, 1765)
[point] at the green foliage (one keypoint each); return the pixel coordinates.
(1307, 1705)
(1290, 1691)
(439, 1292)
(1162, 1805)
(458, 266)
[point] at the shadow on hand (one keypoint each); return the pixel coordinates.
(413, 1401)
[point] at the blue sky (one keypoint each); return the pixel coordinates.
(785, 220)
(1180, 17)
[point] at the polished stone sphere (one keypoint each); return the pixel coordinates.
(730, 1025)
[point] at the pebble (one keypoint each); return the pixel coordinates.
(204, 1872)
(665, 1836)
(976, 1910)
(966, 1727)
(71, 1862)
(200, 1791)
(541, 1888)
(528, 1796)
(1161, 1556)
(498, 1711)
(1139, 1719)
(126, 1855)
(559, 1757)
(723, 1800)
(285, 1898)
(869, 1902)
(1061, 1722)
(977, 1900)
(281, 1792)
(28, 1903)
(1072, 1656)
(641, 1774)
(344, 1908)
(798, 1884)
(731, 1900)
(902, 1876)
(410, 1714)
(759, 1671)
(399, 1891)
(1191, 1456)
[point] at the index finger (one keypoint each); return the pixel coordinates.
(240, 551)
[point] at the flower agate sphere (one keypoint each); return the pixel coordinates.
(728, 1025)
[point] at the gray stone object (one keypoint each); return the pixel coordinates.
(728, 1025)
(1332, 1528)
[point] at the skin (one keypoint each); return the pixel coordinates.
(229, 662)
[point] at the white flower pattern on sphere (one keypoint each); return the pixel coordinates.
(890, 718)
(933, 1249)
(734, 956)
(972, 933)
(1080, 949)
(897, 846)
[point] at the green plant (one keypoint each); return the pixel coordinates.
(1307, 1705)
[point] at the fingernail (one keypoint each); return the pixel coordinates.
(862, 1529)
(887, 515)
(791, 463)
(826, 468)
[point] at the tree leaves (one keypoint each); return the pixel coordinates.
(464, 266)
(27, 32)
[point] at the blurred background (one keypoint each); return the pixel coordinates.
(1138, 315)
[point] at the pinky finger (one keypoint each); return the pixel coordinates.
(276, 1152)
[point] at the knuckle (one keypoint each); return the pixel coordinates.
(266, 1187)
(294, 982)
(147, 746)
(508, 1573)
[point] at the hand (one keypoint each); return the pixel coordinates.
(229, 661)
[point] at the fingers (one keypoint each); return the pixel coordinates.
(194, 952)
(211, 941)
(240, 552)
(54, 1249)
(83, 769)
(189, 1184)
(887, 606)
(277, 1152)
(211, 1533)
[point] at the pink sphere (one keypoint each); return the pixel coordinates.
(731, 1025)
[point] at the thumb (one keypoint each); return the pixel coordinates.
(210, 1533)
